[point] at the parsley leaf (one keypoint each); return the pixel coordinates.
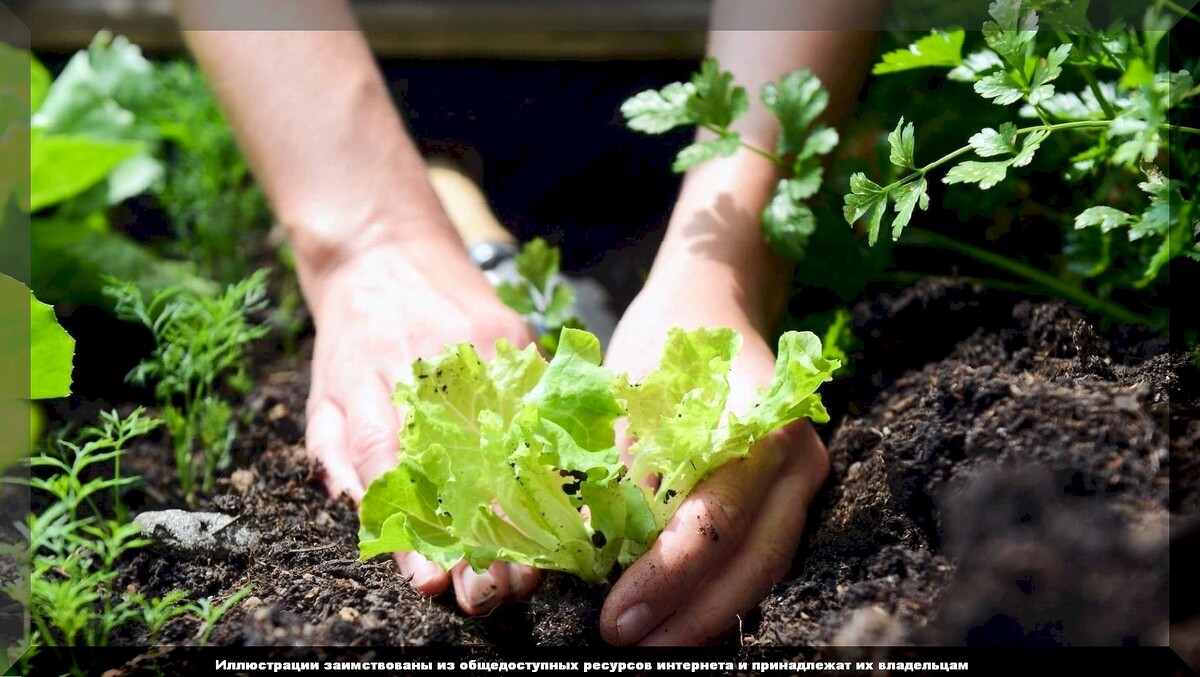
(940, 48)
(901, 143)
(703, 151)
(716, 101)
(866, 197)
(1010, 31)
(986, 174)
(797, 100)
(656, 111)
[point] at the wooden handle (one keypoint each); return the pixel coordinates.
(466, 205)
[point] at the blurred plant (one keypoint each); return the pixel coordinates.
(213, 204)
(540, 295)
(91, 148)
(201, 346)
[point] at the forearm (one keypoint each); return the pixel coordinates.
(714, 232)
(318, 126)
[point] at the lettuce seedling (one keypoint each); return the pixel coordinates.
(517, 459)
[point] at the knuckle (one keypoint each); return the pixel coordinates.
(722, 510)
(369, 440)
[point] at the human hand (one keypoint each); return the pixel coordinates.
(376, 312)
(735, 535)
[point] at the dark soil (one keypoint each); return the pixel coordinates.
(1000, 476)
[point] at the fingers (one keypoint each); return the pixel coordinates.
(706, 531)
(480, 593)
(763, 559)
(372, 425)
(425, 576)
(325, 437)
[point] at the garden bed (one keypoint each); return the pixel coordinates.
(1000, 476)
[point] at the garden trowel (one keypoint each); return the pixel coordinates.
(492, 247)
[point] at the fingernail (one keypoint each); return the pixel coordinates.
(634, 623)
(480, 588)
(424, 574)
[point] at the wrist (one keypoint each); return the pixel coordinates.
(715, 246)
(410, 264)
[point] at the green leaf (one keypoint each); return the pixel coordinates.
(97, 90)
(694, 438)
(37, 353)
(1033, 141)
(658, 111)
(797, 100)
(865, 197)
(908, 196)
(722, 146)
(1046, 71)
(991, 142)
(51, 353)
(975, 65)
(787, 222)
(39, 84)
(716, 101)
(518, 296)
(821, 140)
(1137, 74)
(938, 49)
(575, 392)
(64, 166)
(901, 143)
(1105, 218)
(986, 174)
(562, 301)
(1000, 88)
(1010, 31)
(538, 262)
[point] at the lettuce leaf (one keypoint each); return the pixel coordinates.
(516, 458)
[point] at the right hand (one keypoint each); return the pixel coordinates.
(376, 311)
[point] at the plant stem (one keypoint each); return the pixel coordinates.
(1094, 85)
(1052, 284)
(1075, 124)
(721, 131)
(1182, 11)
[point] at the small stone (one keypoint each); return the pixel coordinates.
(242, 480)
(868, 626)
(277, 412)
(313, 593)
(349, 614)
(252, 603)
(196, 533)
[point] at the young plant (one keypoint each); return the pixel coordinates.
(201, 347)
(517, 459)
(210, 613)
(711, 101)
(72, 596)
(543, 299)
(1121, 122)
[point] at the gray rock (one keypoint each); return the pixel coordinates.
(196, 533)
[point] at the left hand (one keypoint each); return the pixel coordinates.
(691, 587)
